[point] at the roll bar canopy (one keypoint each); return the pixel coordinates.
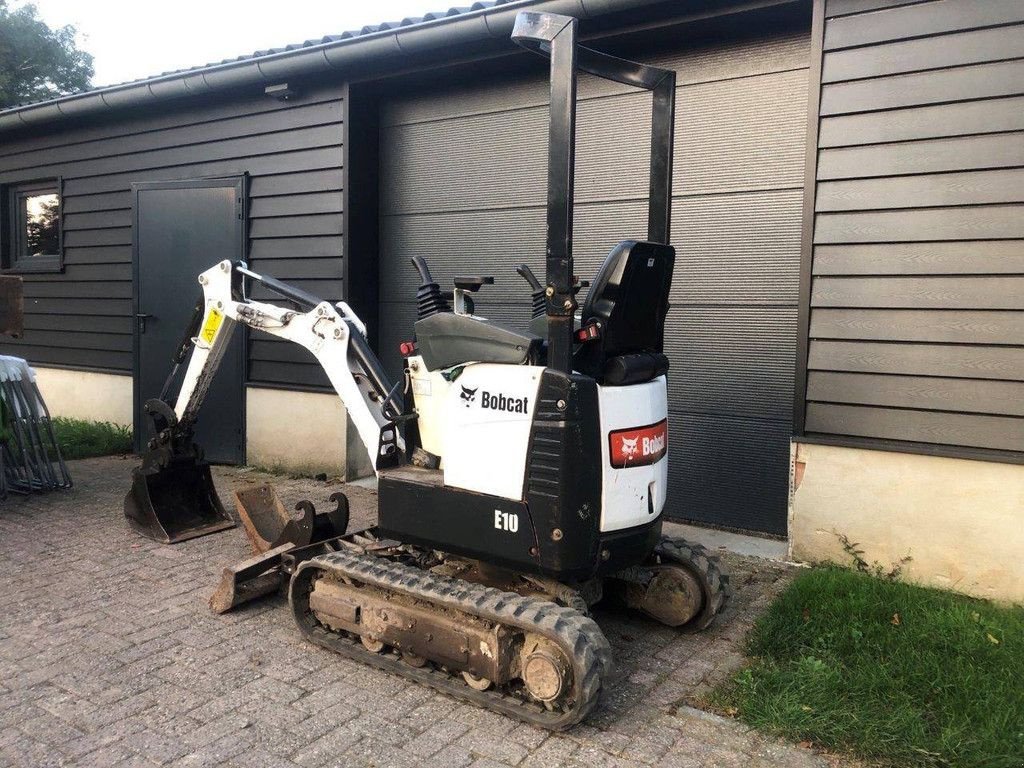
(555, 37)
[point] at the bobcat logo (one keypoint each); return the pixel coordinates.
(469, 395)
(638, 446)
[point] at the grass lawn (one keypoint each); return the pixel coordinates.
(894, 673)
(80, 439)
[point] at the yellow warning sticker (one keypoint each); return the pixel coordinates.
(213, 322)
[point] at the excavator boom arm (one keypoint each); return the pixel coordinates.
(332, 333)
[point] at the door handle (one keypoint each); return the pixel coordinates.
(141, 318)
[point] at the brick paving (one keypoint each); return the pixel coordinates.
(109, 656)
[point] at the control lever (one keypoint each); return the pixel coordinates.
(524, 271)
(429, 299)
(538, 307)
(424, 271)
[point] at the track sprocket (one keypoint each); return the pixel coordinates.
(708, 571)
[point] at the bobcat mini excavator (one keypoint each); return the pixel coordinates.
(525, 479)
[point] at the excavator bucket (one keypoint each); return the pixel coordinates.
(268, 524)
(174, 501)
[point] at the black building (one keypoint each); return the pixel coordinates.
(847, 214)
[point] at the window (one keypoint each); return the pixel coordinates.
(32, 241)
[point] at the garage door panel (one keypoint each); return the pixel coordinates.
(741, 134)
(758, 52)
(732, 136)
(737, 249)
(608, 163)
(732, 361)
(728, 471)
(444, 166)
(479, 243)
(495, 242)
(748, 246)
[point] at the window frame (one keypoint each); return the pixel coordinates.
(12, 230)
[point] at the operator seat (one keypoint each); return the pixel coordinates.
(628, 302)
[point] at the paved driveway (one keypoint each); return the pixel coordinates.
(110, 657)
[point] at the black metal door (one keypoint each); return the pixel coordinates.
(181, 229)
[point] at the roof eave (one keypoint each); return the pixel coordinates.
(391, 47)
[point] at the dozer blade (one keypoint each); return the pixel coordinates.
(268, 524)
(266, 573)
(175, 502)
(250, 579)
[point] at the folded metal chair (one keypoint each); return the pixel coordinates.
(29, 454)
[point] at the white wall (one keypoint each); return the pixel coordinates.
(961, 521)
(301, 432)
(86, 394)
(292, 431)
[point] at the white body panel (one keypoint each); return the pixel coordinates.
(481, 423)
(485, 445)
(632, 496)
(484, 450)
(430, 391)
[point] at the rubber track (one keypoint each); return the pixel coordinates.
(577, 635)
(714, 580)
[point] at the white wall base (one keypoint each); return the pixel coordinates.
(86, 394)
(303, 432)
(961, 521)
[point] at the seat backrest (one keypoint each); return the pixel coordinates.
(629, 298)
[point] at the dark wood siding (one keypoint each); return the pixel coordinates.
(463, 185)
(916, 319)
(293, 154)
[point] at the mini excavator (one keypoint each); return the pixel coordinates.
(521, 475)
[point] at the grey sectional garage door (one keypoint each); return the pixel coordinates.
(463, 182)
